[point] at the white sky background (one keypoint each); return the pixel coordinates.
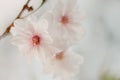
(100, 46)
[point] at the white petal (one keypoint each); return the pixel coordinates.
(67, 67)
(20, 26)
(70, 5)
(77, 17)
(71, 62)
(58, 11)
(13, 31)
(43, 24)
(18, 40)
(25, 49)
(49, 17)
(58, 35)
(22, 23)
(75, 34)
(46, 39)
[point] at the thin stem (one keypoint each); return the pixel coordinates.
(7, 31)
(25, 7)
(36, 9)
(43, 2)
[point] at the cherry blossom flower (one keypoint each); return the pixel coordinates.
(51, 40)
(31, 37)
(65, 64)
(65, 21)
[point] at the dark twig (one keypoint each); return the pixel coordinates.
(36, 9)
(7, 31)
(43, 2)
(25, 7)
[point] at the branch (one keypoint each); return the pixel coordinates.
(36, 9)
(7, 31)
(25, 7)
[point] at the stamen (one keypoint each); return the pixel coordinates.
(36, 40)
(59, 56)
(64, 20)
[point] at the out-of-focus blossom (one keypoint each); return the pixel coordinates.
(65, 21)
(65, 64)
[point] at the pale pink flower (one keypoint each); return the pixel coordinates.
(66, 28)
(31, 37)
(65, 64)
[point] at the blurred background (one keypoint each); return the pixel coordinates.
(100, 46)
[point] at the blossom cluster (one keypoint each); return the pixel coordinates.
(51, 37)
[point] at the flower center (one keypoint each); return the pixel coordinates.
(64, 20)
(36, 40)
(59, 56)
